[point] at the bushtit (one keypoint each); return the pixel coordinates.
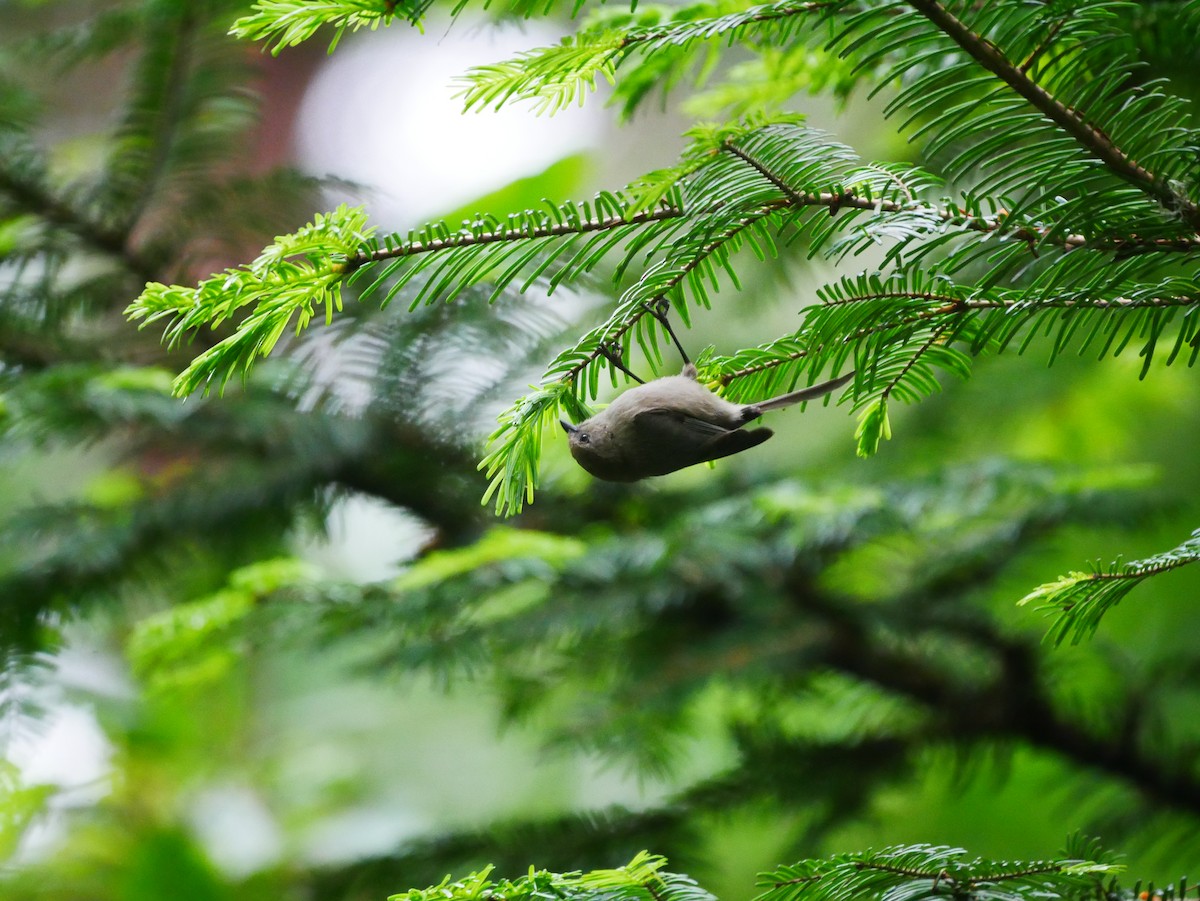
(673, 422)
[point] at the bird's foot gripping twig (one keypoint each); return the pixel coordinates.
(660, 310)
(612, 352)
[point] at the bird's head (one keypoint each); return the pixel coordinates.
(594, 448)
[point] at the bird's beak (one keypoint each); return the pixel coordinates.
(567, 427)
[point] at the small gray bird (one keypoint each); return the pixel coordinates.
(673, 422)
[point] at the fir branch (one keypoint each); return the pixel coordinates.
(790, 356)
(1017, 702)
(783, 198)
(142, 159)
(1032, 234)
(922, 350)
(30, 194)
(475, 238)
(732, 208)
(766, 768)
(554, 77)
(919, 871)
(1079, 600)
(286, 23)
(1073, 122)
(739, 183)
(22, 672)
(831, 200)
(312, 266)
(964, 528)
(288, 280)
(931, 306)
(641, 879)
(636, 306)
(514, 450)
(560, 241)
(912, 872)
(1046, 42)
(1021, 873)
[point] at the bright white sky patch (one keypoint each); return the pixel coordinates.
(382, 112)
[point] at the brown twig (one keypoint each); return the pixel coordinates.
(1070, 120)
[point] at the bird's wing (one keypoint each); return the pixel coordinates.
(662, 423)
(668, 440)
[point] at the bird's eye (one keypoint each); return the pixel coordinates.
(583, 438)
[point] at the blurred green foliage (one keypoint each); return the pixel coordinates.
(790, 657)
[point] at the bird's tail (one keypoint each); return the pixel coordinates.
(810, 393)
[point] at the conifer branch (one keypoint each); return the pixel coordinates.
(1005, 875)
(731, 184)
(1005, 697)
(173, 86)
(614, 333)
(920, 871)
(728, 378)
(1072, 121)
(768, 12)
(556, 76)
(287, 23)
(911, 872)
(1043, 45)
(1014, 705)
(1032, 235)
(952, 305)
(35, 198)
(921, 351)
(474, 239)
(1079, 600)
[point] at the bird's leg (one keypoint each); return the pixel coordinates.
(611, 351)
(659, 310)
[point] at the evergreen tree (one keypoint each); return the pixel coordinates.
(833, 632)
